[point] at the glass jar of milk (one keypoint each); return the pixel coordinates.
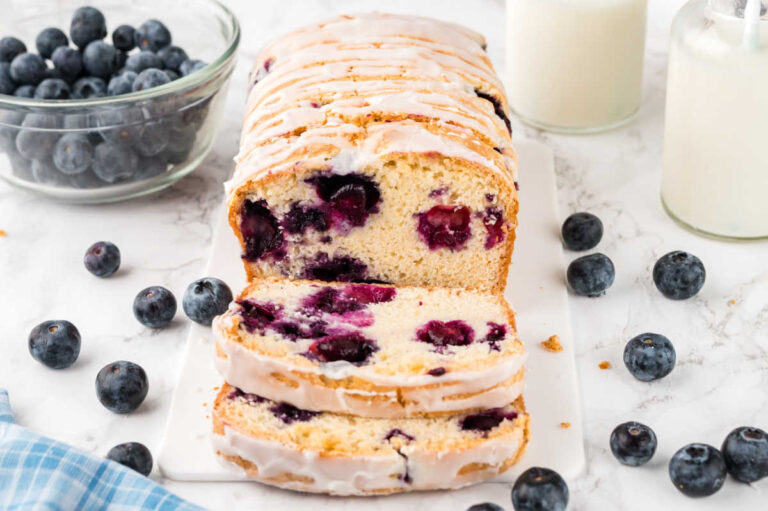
(715, 178)
(575, 65)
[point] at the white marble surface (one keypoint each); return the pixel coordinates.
(720, 381)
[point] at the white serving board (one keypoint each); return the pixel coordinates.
(535, 288)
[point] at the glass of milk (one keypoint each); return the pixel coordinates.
(715, 178)
(575, 66)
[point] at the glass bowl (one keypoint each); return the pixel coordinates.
(147, 140)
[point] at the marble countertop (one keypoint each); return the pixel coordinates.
(721, 335)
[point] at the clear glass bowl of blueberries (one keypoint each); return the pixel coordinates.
(112, 100)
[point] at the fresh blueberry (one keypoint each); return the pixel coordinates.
(649, 357)
(679, 275)
(28, 69)
(124, 38)
(100, 59)
(25, 91)
(68, 62)
(633, 444)
(116, 126)
(121, 386)
(89, 87)
(55, 344)
(172, 75)
(154, 307)
(591, 275)
(10, 47)
(45, 173)
(205, 299)
(10, 120)
(582, 231)
(102, 259)
(172, 57)
(114, 162)
(149, 79)
(150, 138)
(150, 167)
(191, 66)
(52, 88)
(121, 84)
(485, 506)
(697, 470)
(73, 153)
(745, 451)
(138, 62)
(85, 180)
(540, 489)
(180, 145)
(7, 85)
(88, 24)
(37, 137)
(50, 39)
(133, 455)
(152, 35)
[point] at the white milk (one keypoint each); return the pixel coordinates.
(575, 65)
(716, 135)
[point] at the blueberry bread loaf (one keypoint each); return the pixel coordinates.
(376, 148)
(281, 445)
(371, 350)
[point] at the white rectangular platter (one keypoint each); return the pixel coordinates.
(536, 289)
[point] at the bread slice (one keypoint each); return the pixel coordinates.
(371, 350)
(376, 147)
(283, 446)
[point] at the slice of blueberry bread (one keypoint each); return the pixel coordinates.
(376, 148)
(369, 349)
(281, 445)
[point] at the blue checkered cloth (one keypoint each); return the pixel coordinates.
(37, 473)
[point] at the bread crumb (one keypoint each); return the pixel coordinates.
(604, 365)
(205, 404)
(3, 234)
(732, 302)
(565, 425)
(552, 344)
(216, 388)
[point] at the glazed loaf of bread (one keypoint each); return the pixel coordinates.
(371, 350)
(376, 148)
(284, 446)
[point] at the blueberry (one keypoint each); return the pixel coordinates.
(149, 79)
(152, 35)
(7, 85)
(540, 489)
(180, 145)
(649, 357)
(205, 299)
(446, 333)
(10, 47)
(37, 137)
(289, 414)
(100, 59)
(445, 227)
(352, 348)
(591, 275)
(25, 91)
(154, 307)
(697, 470)
(191, 66)
(113, 162)
(679, 275)
(138, 62)
(116, 126)
(633, 444)
(133, 455)
(45, 173)
(261, 232)
(102, 259)
(150, 138)
(485, 506)
(582, 231)
(50, 39)
(85, 180)
(121, 84)
(88, 24)
(55, 344)
(89, 87)
(28, 69)
(124, 38)
(172, 75)
(121, 386)
(68, 62)
(150, 167)
(486, 420)
(9, 122)
(745, 451)
(172, 57)
(73, 153)
(52, 88)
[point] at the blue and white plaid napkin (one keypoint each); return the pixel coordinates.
(37, 473)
